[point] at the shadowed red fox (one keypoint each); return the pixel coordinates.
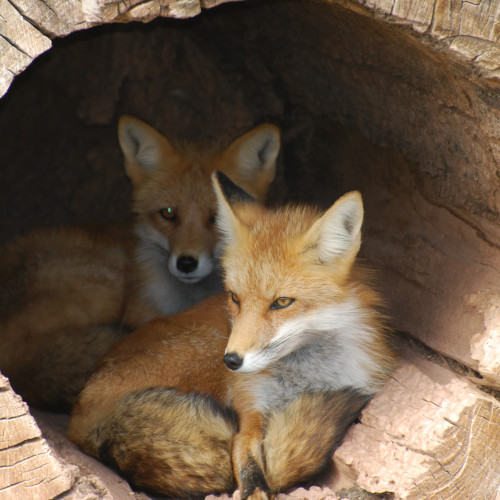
(255, 387)
(67, 294)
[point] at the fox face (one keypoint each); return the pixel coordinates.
(290, 288)
(175, 220)
(173, 200)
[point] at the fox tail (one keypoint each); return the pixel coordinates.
(300, 440)
(169, 443)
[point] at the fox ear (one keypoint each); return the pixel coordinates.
(253, 158)
(336, 235)
(228, 194)
(142, 146)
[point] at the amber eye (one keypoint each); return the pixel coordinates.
(169, 214)
(234, 298)
(282, 302)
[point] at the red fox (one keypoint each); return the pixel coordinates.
(68, 294)
(174, 206)
(253, 387)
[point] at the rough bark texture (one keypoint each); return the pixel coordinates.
(399, 99)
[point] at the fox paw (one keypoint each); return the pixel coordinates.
(253, 484)
(259, 494)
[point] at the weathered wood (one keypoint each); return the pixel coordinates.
(28, 26)
(20, 43)
(28, 467)
(36, 466)
(426, 157)
(428, 435)
(468, 28)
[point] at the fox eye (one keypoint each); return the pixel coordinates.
(169, 214)
(282, 302)
(212, 219)
(234, 298)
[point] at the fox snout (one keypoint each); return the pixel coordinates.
(191, 269)
(232, 361)
(186, 264)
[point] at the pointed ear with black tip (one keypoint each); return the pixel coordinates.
(143, 147)
(232, 192)
(228, 194)
(253, 158)
(336, 235)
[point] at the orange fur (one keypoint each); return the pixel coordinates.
(176, 177)
(68, 294)
(61, 299)
(293, 408)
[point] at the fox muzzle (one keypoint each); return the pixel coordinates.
(232, 361)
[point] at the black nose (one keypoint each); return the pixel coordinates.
(232, 360)
(186, 263)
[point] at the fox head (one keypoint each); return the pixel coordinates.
(282, 269)
(173, 199)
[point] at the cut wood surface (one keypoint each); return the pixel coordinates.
(428, 435)
(36, 466)
(470, 29)
(28, 467)
(28, 26)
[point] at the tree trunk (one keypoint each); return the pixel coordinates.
(398, 99)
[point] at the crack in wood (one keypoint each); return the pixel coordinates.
(14, 45)
(443, 360)
(14, 417)
(22, 443)
(25, 460)
(48, 6)
(31, 22)
(13, 485)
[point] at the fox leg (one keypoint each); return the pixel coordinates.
(247, 457)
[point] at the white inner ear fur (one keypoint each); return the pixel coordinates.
(338, 231)
(258, 150)
(140, 143)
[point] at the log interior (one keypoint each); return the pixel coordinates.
(362, 104)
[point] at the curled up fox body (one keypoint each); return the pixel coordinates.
(67, 294)
(252, 388)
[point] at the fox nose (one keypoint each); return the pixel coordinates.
(232, 360)
(186, 263)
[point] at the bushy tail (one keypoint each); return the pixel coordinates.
(300, 439)
(169, 443)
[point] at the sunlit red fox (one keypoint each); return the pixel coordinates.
(304, 347)
(67, 294)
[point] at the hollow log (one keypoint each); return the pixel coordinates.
(399, 99)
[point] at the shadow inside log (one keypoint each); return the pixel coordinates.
(362, 104)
